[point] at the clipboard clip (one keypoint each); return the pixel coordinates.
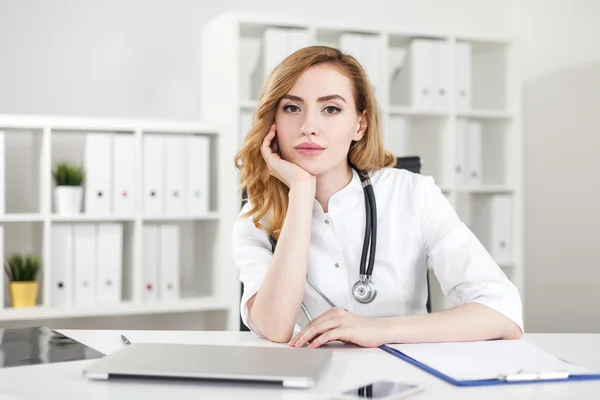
(523, 376)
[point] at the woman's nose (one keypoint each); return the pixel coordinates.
(309, 126)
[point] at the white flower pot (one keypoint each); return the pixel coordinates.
(68, 199)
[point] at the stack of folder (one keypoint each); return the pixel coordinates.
(423, 80)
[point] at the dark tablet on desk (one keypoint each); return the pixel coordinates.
(40, 345)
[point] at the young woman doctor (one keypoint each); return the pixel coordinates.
(300, 239)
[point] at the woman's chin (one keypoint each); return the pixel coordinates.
(312, 168)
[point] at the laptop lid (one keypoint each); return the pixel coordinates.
(290, 367)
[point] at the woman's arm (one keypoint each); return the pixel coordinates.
(466, 322)
(274, 308)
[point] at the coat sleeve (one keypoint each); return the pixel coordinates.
(252, 256)
(465, 269)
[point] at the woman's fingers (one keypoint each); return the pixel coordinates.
(330, 314)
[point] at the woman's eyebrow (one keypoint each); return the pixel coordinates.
(292, 97)
(320, 99)
(331, 97)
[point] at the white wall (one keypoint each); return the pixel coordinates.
(141, 58)
(561, 95)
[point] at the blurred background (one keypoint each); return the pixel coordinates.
(149, 80)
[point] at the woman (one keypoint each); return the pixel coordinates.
(316, 128)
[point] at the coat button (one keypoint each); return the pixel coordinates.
(336, 265)
(326, 221)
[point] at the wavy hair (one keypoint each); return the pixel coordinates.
(266, 193)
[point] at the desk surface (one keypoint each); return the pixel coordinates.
(350, 367)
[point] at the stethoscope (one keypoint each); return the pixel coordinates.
(364, 290)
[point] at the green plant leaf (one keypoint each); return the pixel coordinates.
(19, 269)
(68, 173)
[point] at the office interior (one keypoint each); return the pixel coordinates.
(511, 140)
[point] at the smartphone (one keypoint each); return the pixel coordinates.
(383, 390)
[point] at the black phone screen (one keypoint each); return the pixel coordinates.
(379, 390)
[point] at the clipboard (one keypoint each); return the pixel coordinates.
(521, 377)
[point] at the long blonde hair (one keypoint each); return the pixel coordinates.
(266, 193)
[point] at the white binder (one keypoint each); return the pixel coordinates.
(84, 264)
(153, 180)
(175, 175)
(297, 39)
(492, 223)
(98, 168)
(416, 80)
(124, 175)
(371, 60)
(441, 77)
(460, 153)
(169, 263)
(150, 262)
(198, 162)
(109, 263)
(366, 50)
(501, 241)
(351, 44)
(2, 174)
(463, 76)
(61, 265)
(474, 153)
(3, 280)
(275, 48)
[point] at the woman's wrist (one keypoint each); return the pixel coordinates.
(392, 329)
(304, 188)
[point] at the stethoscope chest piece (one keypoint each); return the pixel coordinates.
(364, 291)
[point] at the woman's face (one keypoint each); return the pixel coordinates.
(316, 120)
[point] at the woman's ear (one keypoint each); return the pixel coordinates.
(361, 126)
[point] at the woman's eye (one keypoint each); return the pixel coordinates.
(291, 108)
(332, 110)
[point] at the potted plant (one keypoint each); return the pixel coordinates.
(22, 273)
(68, 193)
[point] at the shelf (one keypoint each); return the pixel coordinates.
(105, 124)
(506, 265)
(485, 114)
(90, 218)
(411, 112)
(486, 189)
(248, 105)
(211, 216)
(125, 308)
(21, 218)
(116, 218)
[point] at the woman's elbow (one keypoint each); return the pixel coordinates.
(277, 334)
(513, 332)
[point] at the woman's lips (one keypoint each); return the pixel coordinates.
(309, 149)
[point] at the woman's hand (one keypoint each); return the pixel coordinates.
(287, 172)
(339, 324)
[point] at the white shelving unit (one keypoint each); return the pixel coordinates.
(33, 144)
(233, 45)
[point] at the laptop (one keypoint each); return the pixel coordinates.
(288, 366)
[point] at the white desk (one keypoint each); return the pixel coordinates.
(351, 366)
